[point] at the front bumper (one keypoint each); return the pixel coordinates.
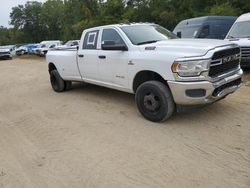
(204, 92)
(245, 62)
(5, 55)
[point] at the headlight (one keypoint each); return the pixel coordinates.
(190, 68)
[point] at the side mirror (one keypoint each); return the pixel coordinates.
(179, 34)
(77, 48)
(111, 45)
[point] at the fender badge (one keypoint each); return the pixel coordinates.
(150, 48)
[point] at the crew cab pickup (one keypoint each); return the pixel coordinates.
(148, 60)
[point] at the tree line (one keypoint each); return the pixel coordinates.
(66, 19)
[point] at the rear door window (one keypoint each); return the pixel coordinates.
(90, 40)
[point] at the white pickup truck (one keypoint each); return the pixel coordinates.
(148, 60)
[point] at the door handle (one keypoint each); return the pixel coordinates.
(80, 55)
(102, 57)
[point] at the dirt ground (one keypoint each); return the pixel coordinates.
(93, 137)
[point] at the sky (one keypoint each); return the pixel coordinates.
(6, 7)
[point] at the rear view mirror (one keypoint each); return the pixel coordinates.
(111, 45)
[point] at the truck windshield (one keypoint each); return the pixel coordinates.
(145, 34)
(188, 32)
(240, 30)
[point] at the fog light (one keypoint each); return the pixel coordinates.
(196, 93)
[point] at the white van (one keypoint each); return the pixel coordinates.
(240, 34)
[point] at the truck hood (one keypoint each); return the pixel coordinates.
(186, 47)
(240, 41)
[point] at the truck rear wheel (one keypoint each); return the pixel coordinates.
(56, 81)
(154, 101)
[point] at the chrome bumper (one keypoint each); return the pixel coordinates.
(179, 90)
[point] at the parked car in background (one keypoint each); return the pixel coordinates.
(240, 34)
(70, 44)
(21, 50)
(14, 48)
(5, 52)
(44, 46)
(148, 60)
(26, 49)
(30, 47)
(210, 27)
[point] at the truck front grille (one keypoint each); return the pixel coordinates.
(245, 52)
(4, 53)
(224, 61)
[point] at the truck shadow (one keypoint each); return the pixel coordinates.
(104, 93)
(246, 76)
(126, 101)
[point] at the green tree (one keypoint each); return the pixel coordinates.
(79, 15)
(52, 19)
(225, 9)
(66, 19)
(27, 20)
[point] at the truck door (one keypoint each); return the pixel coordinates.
(113, 63)
(88, 56)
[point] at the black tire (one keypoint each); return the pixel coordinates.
(154, 101)
(56, 81)
(67, 85)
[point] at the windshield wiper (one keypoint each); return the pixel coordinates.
(147, 42)
(230, 37)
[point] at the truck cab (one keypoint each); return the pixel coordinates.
(240, 34)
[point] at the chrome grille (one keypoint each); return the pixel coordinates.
(4, 53)
(224, 61)
(245, 52)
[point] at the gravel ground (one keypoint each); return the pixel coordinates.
(93, 137)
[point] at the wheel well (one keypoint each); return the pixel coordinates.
(51, 67)
(144, 76)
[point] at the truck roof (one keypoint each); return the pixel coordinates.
(244, 17)
(200, 20)
(120, 25)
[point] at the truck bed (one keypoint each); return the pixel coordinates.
(67, 59)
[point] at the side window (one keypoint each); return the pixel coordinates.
(111, 35)
(90, 40)
(204, 32)
(52, 46)
(75, 43)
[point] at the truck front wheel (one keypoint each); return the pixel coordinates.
(56, 81)
(154, 101)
